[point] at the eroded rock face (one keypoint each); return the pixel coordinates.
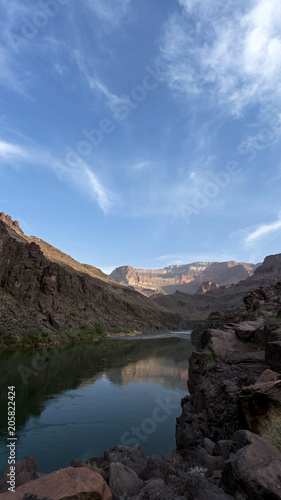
(123, 481)
(254, 469)
(43, 287)
(258, 399)
(69, 483)
(273, 355)
(198, 277)
(233, 388)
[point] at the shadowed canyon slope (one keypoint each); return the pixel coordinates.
(185, 278)
(42, 286)
(224, 298)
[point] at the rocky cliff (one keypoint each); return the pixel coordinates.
(183, 278)
(230, 422)
(43, 287)
(223, 298)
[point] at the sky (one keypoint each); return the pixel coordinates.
(143, 132)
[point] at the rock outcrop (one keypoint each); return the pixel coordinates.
(235, 400)
(183, 278)
(70, 483)
(254, 468)
(44, 288)
(226, 299)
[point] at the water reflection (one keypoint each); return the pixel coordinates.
(79, 399)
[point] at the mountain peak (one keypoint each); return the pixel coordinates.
(7, 219)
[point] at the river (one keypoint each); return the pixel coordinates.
(76, 401)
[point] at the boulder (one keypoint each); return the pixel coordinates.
(158, 466)
(123, 482)
(64, 484)
(202, 489)
(268, 376)
(246, 330)
(223, 448)
(202, 459)
(254, 470)
(227, 348)
(26, 470)
(155, 489)
(273, 355)
(209, 445)
(131, 456)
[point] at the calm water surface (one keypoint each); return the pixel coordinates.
(77, 401)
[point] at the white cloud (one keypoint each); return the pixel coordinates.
(10, 151)
(80, 175)
(229, 52)
(262, 231)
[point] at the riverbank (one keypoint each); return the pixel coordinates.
(33, 338)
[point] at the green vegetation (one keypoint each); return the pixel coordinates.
(198, 471)
(270, 427)
(209, 357)
(176, 459)
(271, 318)
(121, 329)
(34, 337)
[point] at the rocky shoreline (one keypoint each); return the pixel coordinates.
(222, 454)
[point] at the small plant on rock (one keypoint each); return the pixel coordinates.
(270, 427)
(198, 471)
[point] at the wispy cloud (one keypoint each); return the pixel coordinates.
(80, 176)
(111, 11)
(10, 151)
(232, 53)
(182, 259)
(111, 100)
(262, 231)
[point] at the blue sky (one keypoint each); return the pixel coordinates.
(143, 132)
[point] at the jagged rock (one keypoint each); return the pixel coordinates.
(184, 278)
(201, 457)
(246, 330)
(132, 457)
(268, 376)
(202, 489)
(269, 333)
(254, 470)
(209, 445)
(158, 466)
(45, 288)
(123, 481)
(155, 489)
(273, 355)
(258, 399)
(223, 448)
(69, 483)
(25, 471)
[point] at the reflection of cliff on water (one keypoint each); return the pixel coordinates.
(59, 369)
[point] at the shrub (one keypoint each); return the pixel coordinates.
(198, 471)
(121, 329)
(270, 427)
(11, 340)
(210, 359)
(31, 337)
(100, 330)
(91, 330)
